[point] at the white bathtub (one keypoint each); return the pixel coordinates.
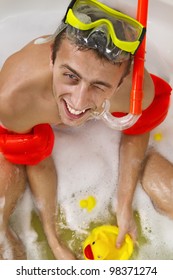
(20, 22)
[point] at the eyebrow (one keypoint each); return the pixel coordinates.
(102, 83)
(71, 69)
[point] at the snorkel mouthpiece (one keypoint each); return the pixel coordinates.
(113, 122)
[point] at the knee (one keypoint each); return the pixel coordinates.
(157, 181)
(9, 168)
(46, 165)
(13, 179)
(156, 168)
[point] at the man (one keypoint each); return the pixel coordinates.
(85, 68)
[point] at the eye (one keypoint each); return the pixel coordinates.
(99, 88)
(99, 257)
(71, 76)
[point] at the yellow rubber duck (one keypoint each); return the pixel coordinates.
(89, 203)
(158, 136)
(100, 245)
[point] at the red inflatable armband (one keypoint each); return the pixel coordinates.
(29, 148)
(156, 112)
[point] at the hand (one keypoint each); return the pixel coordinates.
(126, 224)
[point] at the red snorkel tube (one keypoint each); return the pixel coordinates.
(139, 59)
(136, 95)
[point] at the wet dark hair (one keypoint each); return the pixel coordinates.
(57, 44)
(62, 36)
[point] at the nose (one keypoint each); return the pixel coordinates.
(82, 97)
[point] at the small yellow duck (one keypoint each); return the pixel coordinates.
(89, 203)
(158, 136)
(100, 245)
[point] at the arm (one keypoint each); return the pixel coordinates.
(132, 151)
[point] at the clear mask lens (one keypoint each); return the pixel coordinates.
(124, 28)
(98, 38)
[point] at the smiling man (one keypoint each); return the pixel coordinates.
(66, 81)
(82, 81)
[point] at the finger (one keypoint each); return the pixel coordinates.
(133, 233)
(120, 238)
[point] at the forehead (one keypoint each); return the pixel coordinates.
(86, 61)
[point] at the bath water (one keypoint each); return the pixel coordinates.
(87, 162)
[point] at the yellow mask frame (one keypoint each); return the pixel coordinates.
(110, 15)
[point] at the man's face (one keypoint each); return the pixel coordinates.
(82, 82)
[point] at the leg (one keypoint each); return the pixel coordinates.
(43, 183)
(157, 181)
(12, 186)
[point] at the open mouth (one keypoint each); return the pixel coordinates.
(73, 113)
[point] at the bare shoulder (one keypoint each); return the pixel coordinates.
(30, 57)
(23, 69)
(121, 99)
(22, 78)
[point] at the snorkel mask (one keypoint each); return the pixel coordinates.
(97, 26)
(117, 36)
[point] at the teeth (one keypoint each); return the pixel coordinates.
(73, 111)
